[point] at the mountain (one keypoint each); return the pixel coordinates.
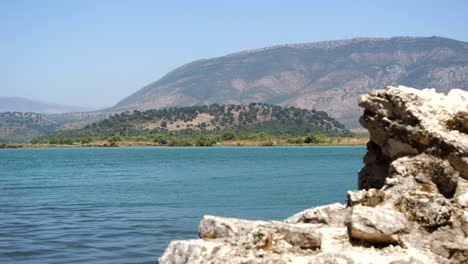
(327, 76)
(22, 127)
(19, 104)
(242, 119)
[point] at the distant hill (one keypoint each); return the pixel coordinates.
(22, 127)
(19, 104)
(252, 118)
(327, 76)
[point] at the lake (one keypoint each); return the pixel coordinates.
(124, 205)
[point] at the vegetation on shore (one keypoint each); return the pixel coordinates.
(227, 138)
(222, 125)
(213, 119)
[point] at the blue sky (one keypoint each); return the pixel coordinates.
(94, 53)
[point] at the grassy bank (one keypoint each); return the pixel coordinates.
(259, 139)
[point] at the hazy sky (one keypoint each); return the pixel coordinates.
(94, 53)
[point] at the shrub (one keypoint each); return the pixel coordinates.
(86, 140)
(316, 138)
(295, 140)
(180, 142)
(257, 136)
(114, 139)
(205, 141)
(269, 143)
(228, 135)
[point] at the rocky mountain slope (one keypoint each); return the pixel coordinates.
(327, 76)
(412, 206)
(19, 104)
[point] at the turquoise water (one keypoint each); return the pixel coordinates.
(123, 205)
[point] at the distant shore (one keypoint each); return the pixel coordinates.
(338, 141)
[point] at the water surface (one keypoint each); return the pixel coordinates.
(123, 205)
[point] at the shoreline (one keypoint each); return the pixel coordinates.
(231, 143)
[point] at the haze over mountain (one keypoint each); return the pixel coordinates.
(327, 76)
(19, 104)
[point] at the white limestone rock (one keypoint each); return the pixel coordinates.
(371, 197)
(276, 236)
(376, 225)
(463, 200)
(333, 214)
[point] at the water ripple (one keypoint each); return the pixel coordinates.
(124, 205)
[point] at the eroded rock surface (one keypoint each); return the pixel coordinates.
(376, 225)
(411, 206)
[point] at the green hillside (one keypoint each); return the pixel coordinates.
(213, 119)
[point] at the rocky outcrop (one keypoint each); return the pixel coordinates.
(411, 206)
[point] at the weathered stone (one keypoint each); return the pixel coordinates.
(371, 197)
(409, 261)
(373, 175)
(259, 234)
(463, 200)
(206, 251)
(464, 222)
(428, 209)
(303, 236)
(191, 251)
(391, 181)
(426, 169)
(376, 225)
(333, 214)
(460, 164)
(394, 149)
(456, 251)
(459, 122)
(416, 122)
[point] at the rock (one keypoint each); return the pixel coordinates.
(191, 251)
(276, 236)
(333, 214)
(427, 169)
(428, 209)
(394, 148)
(373, 175)
(391, 181)
(413, 121)
(464, 222)
(459, 95)
(371, 197)
(375, 225)
(411, 206)
(460, 164)
(463, 200)
(451, 248)
(459, 122)
(204, 251)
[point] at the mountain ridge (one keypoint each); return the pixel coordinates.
(26, 105)
(326, 75)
